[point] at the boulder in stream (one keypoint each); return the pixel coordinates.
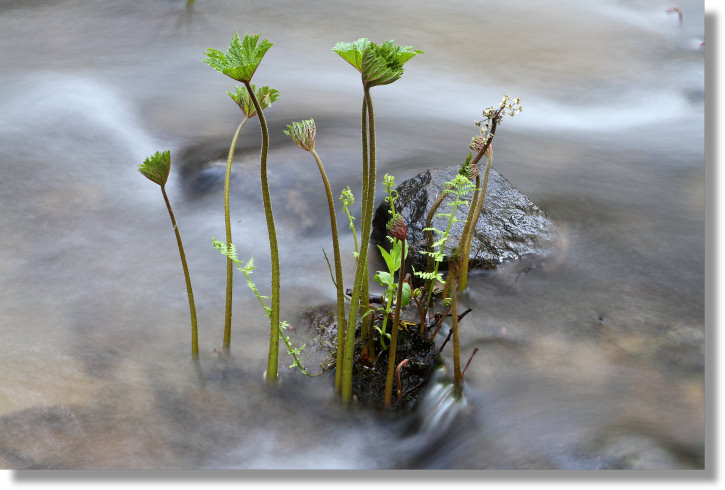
(510, 226)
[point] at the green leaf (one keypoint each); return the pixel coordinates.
(265, 96)
(388, 258)
(383, 278)
(241, 59)
(156, 167)
(353, 52)
(406, 295)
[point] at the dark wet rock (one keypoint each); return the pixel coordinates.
(510, 226)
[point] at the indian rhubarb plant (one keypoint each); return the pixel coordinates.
(304, 134)
(240, 62)
(156, 168)
(378, 65)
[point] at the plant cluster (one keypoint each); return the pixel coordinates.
(365, 332)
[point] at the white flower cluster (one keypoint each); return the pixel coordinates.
(493, 116)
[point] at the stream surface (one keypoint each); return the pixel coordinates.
(590, 357)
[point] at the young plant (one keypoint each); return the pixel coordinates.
(240, 63)
(459, 187)
(230, 252)
(392, 261)
(378, 65)
(493, 117)
(397, 229)
(348, 199)
(304, 133)
(266, 97)
(156, 168)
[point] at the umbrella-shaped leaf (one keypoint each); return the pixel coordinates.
(241, 60)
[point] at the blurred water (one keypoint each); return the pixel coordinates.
(591, 358)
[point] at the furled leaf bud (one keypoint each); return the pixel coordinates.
(347, 198)
(156, 167)
(396, 227)
(303, 133)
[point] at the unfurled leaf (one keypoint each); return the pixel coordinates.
(156, 167)
(241, 59)
(353, 52)
(383, 278)
(265, 96)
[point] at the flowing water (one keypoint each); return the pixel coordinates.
(590, 357)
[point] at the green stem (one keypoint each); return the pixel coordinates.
(192, 308)
(227, 223)
(352, 228)
(388, 395)
(473, 220)
(273, 357)
(464, 245)
(338, 264)
(389, 293)
(360, 275)
(430, 263)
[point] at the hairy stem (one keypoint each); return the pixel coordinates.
(464, 244)
(388, 394)
(272, 359)
(360, 275)
(192, 308)
(227, 223)
(366, 330)
(337, 259)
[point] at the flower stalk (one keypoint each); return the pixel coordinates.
(304, 134)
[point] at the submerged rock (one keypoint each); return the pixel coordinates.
(510, 226)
